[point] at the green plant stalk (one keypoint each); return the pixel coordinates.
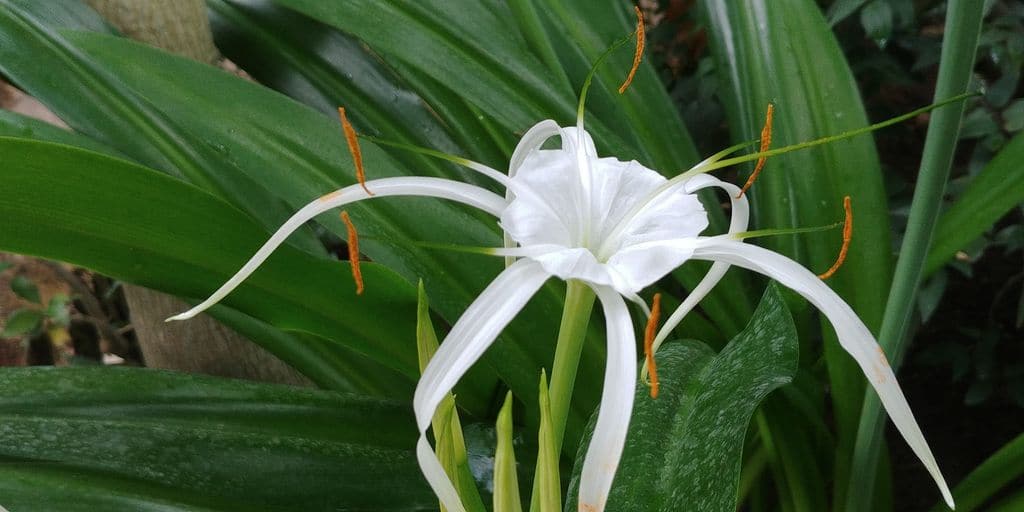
(963, 25)
(579, 301)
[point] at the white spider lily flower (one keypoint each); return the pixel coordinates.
(618, 227)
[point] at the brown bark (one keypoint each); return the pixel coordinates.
(178, 26)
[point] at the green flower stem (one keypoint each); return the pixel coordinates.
(963, 24)
(579, 301)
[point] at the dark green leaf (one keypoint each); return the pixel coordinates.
(138, 225)
(24, 287)
(684, 448)
(33, 47)
(130, 439)
(877, 19)
(22, 321)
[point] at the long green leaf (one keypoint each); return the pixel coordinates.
(141, 226)
(996, 190)
(963, 27)
(991, 476)
(130, 439)
(684, 448)
(95, 102)
(784, 52)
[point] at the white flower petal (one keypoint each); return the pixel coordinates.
(638, 266)
(403, 186)
(532, 140)
(469, 338)
(738, 223)
(854, 337)
(609, 437)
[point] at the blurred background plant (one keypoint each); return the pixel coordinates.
(174, 171)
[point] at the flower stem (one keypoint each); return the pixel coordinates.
(579, 301)
(963, 24)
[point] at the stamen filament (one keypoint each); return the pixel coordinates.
(590, 77)
(639, 53)
(847, 236)
(783, 231)
(490, 172)
(649, 333)
(353, 251)
(823, 140)
(766, 142)
(353, 147)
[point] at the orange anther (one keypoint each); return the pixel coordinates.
(649, 332)
(766, 141)
(353, 252)
(847, 236)
(639, 53)
(353, 147)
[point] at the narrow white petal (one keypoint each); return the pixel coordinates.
(609, 437)
(403, 186)
(469, 338)
(854, 337)
(432, 470)
(532, 140)
(737, 224)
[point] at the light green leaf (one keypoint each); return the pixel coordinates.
(506, 482)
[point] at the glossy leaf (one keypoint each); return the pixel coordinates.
(684, 448)
(307, 157)
(95, 102)
(138, 225)
(131, 439)
(784, 52)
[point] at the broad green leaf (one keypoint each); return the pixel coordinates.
(91, 100)
(784, 52)
(997, 189)
(22, 321)
(547, 489)
(132, 439)
(13, 124)
(24, 287)
(307, 157)
(324, 69)
(684, 448)
(141, 226)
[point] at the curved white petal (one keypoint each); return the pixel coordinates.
(532, 140)
(609, 437)
(474, 332)
(737, 223)
(403, 186)
(854, 337)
